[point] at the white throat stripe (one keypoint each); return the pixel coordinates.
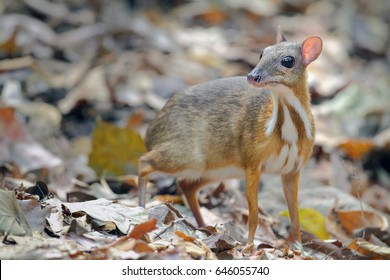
(290, 132)
(274, 117)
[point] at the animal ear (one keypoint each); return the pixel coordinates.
(280, 36)
(311, 49)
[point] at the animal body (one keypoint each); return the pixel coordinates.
(239, 127)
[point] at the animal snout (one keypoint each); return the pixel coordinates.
(253, 77)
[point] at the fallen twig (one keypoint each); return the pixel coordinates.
(191, 226)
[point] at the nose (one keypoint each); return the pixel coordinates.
(253, 76)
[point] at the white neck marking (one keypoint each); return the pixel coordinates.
(270, 125)
(283, 92)
(289, 131)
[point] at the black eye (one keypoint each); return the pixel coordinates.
(261, 55)
(288, 61)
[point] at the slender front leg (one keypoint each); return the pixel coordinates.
(144, 169)
(252, 182)
(290, 188)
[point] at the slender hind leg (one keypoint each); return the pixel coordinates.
(190, 190)
(149, 163)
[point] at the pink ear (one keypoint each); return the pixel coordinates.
(311, 49)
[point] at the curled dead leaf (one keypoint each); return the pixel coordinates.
(169, 217)
(344, 223)
(184, 236)
(9, 46)
(201, 251)
(329, 248)
(124, 244)
(368, 249)
(131, 244)
(141, 229)
(142, 247)
(220, 242)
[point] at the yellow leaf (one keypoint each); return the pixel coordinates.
(115, 150)
(312, 221)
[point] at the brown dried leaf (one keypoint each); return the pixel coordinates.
(219, 242)
(135, 120)
(356, 148)
(349, 221)
(174, 199)
(142, 247)
(191, 249)
(11, 128)
(211, 229)
(371, 250)
(142, 229)
(124, 244)
(374, 235)
(213, 16)
(169, 217)
(184, 236)
(9, 46)
(328, 248)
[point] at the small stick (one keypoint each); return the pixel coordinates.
(158, 235)
(191, 226)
